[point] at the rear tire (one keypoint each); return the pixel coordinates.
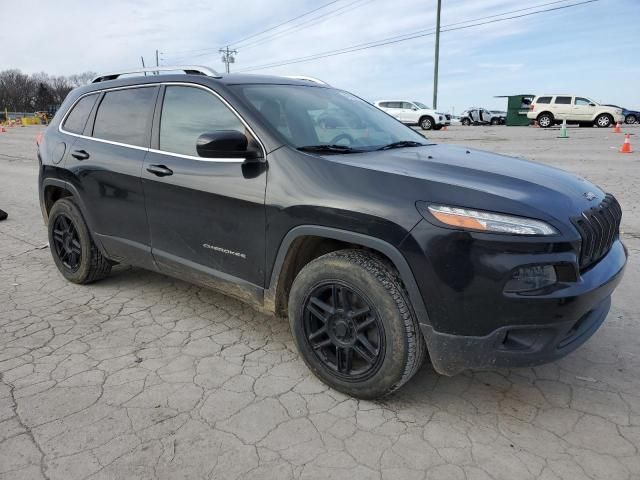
(630, 119)
(604, 120)
(354, 325)
(74, 252)
(545, 120)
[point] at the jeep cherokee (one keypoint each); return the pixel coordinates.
(380, 246)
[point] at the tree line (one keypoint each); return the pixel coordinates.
(21, 92)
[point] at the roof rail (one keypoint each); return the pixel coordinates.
(308, 79)
(187, 69)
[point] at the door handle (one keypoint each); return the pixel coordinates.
(80, 154)
(159, 170)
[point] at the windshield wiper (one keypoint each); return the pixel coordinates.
(402, 144)
(329, 149)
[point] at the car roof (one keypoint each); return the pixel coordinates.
(226, 80)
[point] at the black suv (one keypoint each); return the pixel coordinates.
(380, 246)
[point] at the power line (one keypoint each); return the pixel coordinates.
(408, 36)
(333, 13)
(312, 21)
(283, 23)
(209, 51)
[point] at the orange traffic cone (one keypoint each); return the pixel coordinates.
(617, 129)
(444, 128)
(2, 130)
(626, 146)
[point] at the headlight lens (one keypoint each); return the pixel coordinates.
(487, 221)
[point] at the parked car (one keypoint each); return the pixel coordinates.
(502, 115)
(549, 110)
(414, 113)
(379, 245)
(480, 116)
(630, 116)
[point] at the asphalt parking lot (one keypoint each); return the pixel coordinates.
(141, 376)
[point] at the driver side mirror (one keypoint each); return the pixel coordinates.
(225, 144)
(414, 108)
(592, 104)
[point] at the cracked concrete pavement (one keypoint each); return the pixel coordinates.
(141, 376)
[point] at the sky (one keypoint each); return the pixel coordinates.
(589, 50)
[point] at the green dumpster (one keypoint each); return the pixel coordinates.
(517, 108)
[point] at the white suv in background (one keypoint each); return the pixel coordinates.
(414, 113)
(549, 110)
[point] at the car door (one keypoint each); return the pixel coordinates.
(395, 110)
(563, 107)
(105, 165)
(583, 109)
(409, 115)
(206, 215)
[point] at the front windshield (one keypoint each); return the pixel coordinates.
(315, 116)
(421, 105)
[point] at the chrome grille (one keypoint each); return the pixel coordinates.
(599, 227)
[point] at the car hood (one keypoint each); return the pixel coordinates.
(523, 185)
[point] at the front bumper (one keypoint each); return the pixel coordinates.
(512, 346)
(571, 316)
(473, 323)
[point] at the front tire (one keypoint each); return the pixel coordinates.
(74, 252)
(603, 120)
(353, 324)
(545, 120)
(466, 122)
(426, 123)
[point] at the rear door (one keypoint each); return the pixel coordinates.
(206, 215)
(105, 165)
(394, 109)
(563, 107)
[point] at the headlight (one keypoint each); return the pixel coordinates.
(480, 220)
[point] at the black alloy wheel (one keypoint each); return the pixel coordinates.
(66, 242)
(344, 331)
(75, 254)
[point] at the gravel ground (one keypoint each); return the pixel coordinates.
(141, 376)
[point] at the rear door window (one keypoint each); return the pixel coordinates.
(77, 118)
(562, 101)
(124, 116)
(544, 100)
(187, 113)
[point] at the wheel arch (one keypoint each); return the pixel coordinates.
(53, 189)
(422, 117)
(599, 114)
(293, 255)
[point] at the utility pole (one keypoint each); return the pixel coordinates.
(437, 57)
(228, 57)
(157, 62)
(142, 60)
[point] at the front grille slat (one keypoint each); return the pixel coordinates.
(598, 227)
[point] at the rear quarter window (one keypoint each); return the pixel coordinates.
(543, 100)
(79, 114)
(124, 116)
